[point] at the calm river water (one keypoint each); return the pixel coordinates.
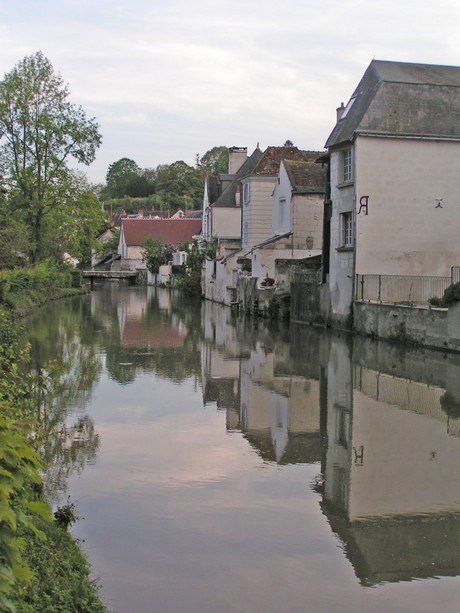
(225, 467)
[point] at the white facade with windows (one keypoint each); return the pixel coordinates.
(394, 155)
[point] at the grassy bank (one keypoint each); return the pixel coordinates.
(42, 568)
(23, 290)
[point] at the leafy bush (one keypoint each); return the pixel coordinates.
(41, 567)
(28, 287)
(77, 278)
(60, 579)
(66, 515)
(451, 295)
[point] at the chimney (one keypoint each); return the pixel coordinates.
(236, 158)
(339, 111)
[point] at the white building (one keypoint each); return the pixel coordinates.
(394, 181)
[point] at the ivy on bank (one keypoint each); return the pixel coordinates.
(23, 289)
(41, 566)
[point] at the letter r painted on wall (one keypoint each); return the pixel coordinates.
(364, 205)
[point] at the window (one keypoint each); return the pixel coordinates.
(346, 165)
(343, 427)
(346, 229)
(282, 214)
(246, 193)
(348, 107)
(245, 233)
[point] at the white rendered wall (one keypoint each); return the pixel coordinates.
(409, 230)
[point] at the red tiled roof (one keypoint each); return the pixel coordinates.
(169, 231)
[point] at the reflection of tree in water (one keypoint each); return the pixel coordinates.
(67, 452)
(66, 364)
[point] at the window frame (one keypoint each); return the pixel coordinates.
(246, 193)
(347, 165)
(346, 230)
(282, 214)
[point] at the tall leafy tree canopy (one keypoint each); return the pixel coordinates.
(118, 176)
(215, 160)
(40, 133)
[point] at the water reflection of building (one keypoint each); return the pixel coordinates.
(279, 412)
(220, 361)
(391, 486)
(139, 329)
(246, 374)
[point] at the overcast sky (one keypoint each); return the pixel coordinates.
(167, 79)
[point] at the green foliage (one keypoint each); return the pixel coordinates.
(179, 186)
(190, 283)
(40, 132)
(125, 178)
(153, 254)
(60, 580)
(22, 288)
(13, 238)
(19, 464)
(279, 307)
(119, 174)
(66, 515)
(73, 227)
(215, 160)
(41, 568)
(168, 187)
(451, 295)
(77, 277)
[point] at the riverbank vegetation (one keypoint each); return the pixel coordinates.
(47, 211)
(41, 565)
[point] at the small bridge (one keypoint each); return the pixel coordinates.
(130, 275)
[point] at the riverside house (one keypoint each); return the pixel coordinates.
(394, 205)
(171, 232)
(296, 222)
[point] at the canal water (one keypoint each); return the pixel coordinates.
(223, 466)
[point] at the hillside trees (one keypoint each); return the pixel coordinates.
(168, 186)
(125, 178)
(40, 133)
(215, 160)
(179, 185)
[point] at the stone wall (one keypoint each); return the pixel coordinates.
(427, 327)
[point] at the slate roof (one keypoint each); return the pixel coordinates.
(169, 231)
(227, 198)
(306, 177)
(269, 163)
(402, 99)
(194, 215)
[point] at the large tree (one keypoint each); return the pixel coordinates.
(179, 185)
(40, 132)
(119, 175)
(215, 160)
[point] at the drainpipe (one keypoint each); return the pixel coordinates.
(353, 278)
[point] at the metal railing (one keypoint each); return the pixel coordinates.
(401, 289)
(455, 274)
